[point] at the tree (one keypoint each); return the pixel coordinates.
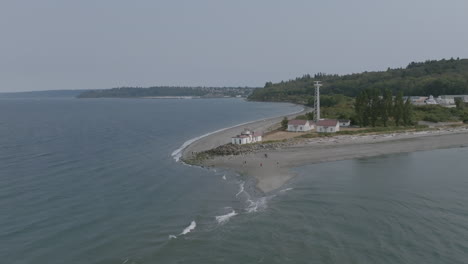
(386, 106)
(398, 109)
(284, 123)
(374, 106)
(408, 113)
(459, 103)
(360, 107)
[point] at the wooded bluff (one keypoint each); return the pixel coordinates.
(432, 77)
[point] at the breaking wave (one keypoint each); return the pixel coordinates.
(255, 206)
(285, 190)
(241, 188)
(187, 230)
(224, 218)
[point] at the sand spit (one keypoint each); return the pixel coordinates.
(273, 171)
(223, 136)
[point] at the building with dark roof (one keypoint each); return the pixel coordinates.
(328, 126)
(297, 125)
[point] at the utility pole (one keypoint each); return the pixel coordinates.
(317, 85)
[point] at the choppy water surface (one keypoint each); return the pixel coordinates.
(93, 181)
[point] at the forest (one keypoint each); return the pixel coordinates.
(432, 77)
(129, 92)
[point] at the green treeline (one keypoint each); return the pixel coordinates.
(374, 108)
(418, 78)
(126, 92)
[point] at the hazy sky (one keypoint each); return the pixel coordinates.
(89, 44)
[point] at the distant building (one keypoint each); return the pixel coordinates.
(445, 101)
(430, 100)
(344, 122)
(246, 137)
(328, 126)
(461, 96)
(300, 125)
(417, 100)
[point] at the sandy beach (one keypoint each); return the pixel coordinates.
(272, 172)
(272, 168)
(224, 136)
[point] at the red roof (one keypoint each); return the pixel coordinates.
(327, 122)
(297, 122)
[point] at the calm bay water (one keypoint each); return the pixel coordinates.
(93, 181)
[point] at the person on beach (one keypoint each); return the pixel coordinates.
(261, 165)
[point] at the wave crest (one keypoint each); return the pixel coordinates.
(224, 218)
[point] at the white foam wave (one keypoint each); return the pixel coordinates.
(224, 177)
(177, 154)
(286, 190)
(241, 188)
(189, 228)
(259, 204)
(224, 218)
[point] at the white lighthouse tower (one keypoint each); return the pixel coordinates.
(317, 85)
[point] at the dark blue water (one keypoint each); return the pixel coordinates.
(93, 181)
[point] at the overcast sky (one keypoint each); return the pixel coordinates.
(93, 44)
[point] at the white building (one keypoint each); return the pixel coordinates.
(445, 101)
(416, 100)
(246, 137)
(300, 125)
(328, 126)
(431, 100)
(461, 96)
(344, 122)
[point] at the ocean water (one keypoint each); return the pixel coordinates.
(94, 181)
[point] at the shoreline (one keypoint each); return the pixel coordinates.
(273, 172)
(223, 136)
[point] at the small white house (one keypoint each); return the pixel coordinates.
(445, 101)
(344, 122)
(246, 137)
(431, 100)
(300, 125)
(328, 126)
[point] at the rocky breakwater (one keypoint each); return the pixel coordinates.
(234, 150)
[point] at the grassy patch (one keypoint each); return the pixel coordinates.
(437, 113)
(372, 130)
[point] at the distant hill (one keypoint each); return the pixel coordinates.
(418, 78)
(138, 92)
(43, 94)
